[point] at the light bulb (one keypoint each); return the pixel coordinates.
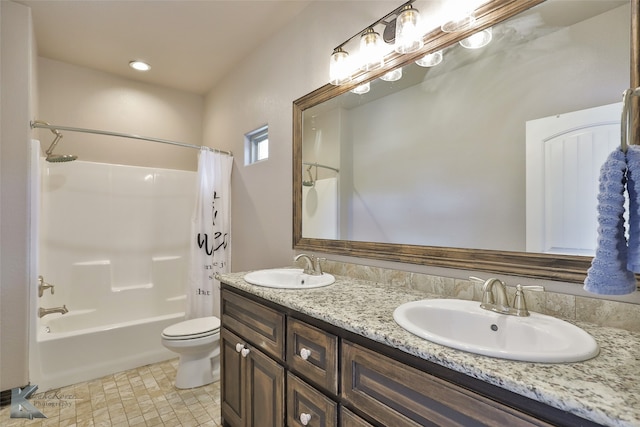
(339, 72)
(408, 31)
(478, 40)
(430, 59)
(371, 50)
(363, 88)
(392, 75)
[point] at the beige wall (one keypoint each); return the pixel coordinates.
(261, 90)
(16, 81)
(253, 95)
(80, 97)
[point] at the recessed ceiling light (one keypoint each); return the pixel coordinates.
(139, 65)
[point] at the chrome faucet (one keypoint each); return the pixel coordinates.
(494, 297)
(44, 311)
(43, 286)
(495, 301)
(313, 266)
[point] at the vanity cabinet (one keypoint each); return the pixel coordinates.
(337, 378)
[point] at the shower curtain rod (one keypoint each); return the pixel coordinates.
(126, 135)
(318, 165)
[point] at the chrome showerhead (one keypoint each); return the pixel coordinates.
(57, 158)
(311, 181)
(60, 158)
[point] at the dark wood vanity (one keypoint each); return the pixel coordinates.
(281, 367)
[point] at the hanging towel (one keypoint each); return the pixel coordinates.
(633, 189)
(608, 274)
(210, 234)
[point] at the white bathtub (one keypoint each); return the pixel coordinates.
(68, 353)
(114, 241)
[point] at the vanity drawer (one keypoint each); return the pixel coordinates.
(349, 419)
(305, 401)
(398, 395)
(313, 354)
(261, 326)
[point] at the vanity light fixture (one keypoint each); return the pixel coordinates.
(393, 75)
(478, 40)
(402, 24)
(430, 59)
(139, 65)
(409, 31)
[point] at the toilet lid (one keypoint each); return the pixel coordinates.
(194, 328)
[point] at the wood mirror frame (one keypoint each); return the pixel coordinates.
(568, 268)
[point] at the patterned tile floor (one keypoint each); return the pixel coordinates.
(138, 397)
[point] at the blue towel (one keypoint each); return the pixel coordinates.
(608, 274)
(633, 188)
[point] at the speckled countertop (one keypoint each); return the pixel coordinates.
(605, 389)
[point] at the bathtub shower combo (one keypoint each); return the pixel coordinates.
(113, 243)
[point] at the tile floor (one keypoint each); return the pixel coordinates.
(138, 397)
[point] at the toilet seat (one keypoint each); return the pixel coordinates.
(192, 329)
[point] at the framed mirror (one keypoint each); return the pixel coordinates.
(464, 164)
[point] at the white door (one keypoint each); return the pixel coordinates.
(564, 156)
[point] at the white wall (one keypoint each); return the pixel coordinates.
(17, 77)
(75, 96)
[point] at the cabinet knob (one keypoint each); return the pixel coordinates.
(305, 353)
(305, 418)
(245, 352)
(239, 347)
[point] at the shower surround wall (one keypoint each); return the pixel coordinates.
(114, 242)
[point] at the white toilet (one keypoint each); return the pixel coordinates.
(197, 341)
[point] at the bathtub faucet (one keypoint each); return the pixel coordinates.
(44, 311)
(43, 286)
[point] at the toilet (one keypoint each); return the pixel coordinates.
(197, 341)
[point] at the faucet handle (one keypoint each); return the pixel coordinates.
(42, 286)
(318, 265)
(519, 303)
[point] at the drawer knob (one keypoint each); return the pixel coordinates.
(245, 352)
(305, 353)
(305, 418)
(239, 347)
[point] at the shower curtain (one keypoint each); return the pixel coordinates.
(210, 234)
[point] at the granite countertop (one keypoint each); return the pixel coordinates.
(605, 389)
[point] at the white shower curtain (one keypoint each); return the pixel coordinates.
(210, 234)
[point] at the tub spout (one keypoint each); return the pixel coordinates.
(44, 311)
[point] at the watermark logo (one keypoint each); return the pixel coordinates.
(21, 407)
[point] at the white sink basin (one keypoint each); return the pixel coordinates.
(288, 278)
(463, 325)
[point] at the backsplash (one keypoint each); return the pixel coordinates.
(571, 307)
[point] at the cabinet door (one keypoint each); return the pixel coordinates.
(398, 395)
(232, 379)
(264, 391)
(306, 406)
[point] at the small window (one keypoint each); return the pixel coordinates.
(256, 145)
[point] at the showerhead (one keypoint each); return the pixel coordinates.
(60, 158)
(57, 158)
(311, 181)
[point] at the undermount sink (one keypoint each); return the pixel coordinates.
(463, 325)
(288, 278)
